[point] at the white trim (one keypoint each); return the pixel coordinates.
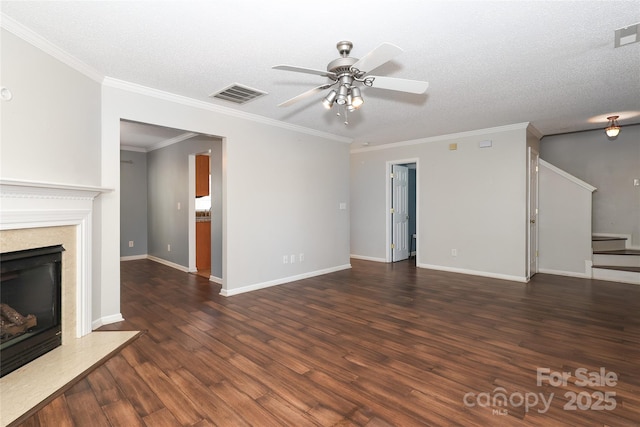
(190, 102)
(22, 207)
(367, 258)
(41, 43)
(475, 273)
(568, 176)
(168, 263)
(38, 189)
(534, 131)
(478, 132)
(130, 148)
(388, 190)
(255, 287)
(133, 257)
(215, 279)
(564, 273)
(114, 318)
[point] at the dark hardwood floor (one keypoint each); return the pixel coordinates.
(377, 345)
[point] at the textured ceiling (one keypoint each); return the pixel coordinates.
(488, 63)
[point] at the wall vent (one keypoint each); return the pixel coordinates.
(238, 94)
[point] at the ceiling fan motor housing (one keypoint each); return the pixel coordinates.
(341, 66)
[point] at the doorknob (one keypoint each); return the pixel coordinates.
(532, 221)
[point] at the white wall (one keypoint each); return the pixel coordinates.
(564, 223)
(282, 187)
(50, 133)
(608, 164)
(471, 199)
(51, 128)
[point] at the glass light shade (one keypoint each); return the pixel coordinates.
(612, 131)
(356, 98)
(329, 99)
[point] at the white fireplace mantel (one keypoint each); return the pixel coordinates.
(31, 204)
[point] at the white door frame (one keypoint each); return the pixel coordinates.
(389, 189)
(532, 212)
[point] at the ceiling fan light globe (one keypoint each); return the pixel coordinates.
(328, 101)
(614, 128)
(612, 131)
(356, 98)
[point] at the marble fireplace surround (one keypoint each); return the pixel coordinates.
(34, 214)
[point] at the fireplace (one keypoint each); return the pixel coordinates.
(30, 305)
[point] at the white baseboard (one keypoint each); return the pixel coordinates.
(106, 320)
(521, 279)
(168, 263)
(367, 258)
(133, 257)
(255, 287)
(215, 279)
(564, 273)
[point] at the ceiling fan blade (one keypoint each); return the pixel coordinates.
(304, 95)
(402, 85)
(304, 70)
(378, 56)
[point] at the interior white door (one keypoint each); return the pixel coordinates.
(533, 212)
(400, 212)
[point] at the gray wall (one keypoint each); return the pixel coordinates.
(609, 165)
(168, 186)
(470, 199)
(133, 203)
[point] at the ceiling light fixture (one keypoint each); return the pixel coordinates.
(613, 129)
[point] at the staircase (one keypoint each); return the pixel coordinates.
(613, 261)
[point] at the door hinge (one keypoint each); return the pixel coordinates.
(391, 175)
(393, 210)
(536, 254)
(393, 246)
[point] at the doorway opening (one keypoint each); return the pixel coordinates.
(402, 210)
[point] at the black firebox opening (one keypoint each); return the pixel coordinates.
(30, 305)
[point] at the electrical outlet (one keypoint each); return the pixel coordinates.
(169, 248)
(454, 252)
(130, 243)
(636, 182)
(301, 257)
(293, 259)
(285, 259)
(179, 206)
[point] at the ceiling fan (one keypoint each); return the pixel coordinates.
(347, 72)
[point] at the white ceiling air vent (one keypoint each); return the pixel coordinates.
(238, 94)
(627, 35)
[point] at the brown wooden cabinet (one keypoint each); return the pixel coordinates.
(203, 245)
(202, 176)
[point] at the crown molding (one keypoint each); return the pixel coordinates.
(190, 102)
(132, 148)
(467, 134)
(45, 45)
(171, 141)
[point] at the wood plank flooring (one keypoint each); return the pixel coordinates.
(377, 345)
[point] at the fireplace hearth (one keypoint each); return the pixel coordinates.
(30, 305)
